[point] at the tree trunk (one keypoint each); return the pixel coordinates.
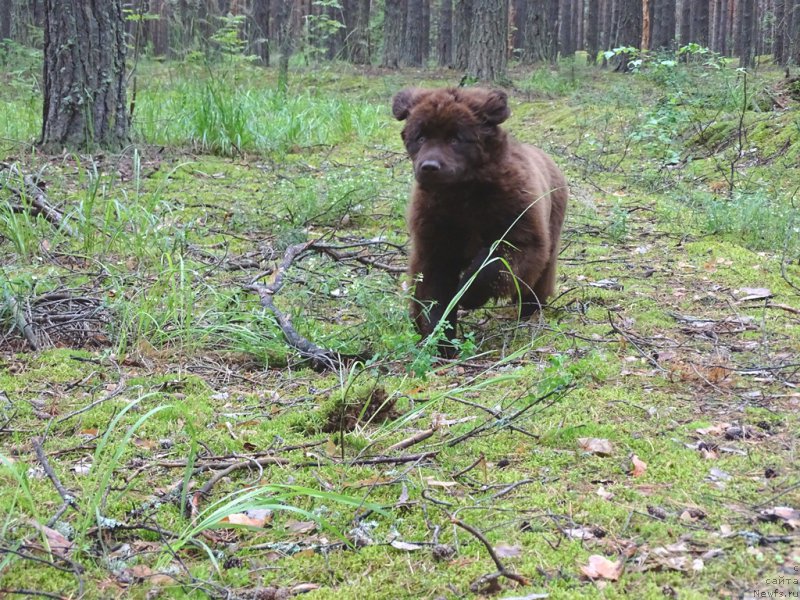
(394, 25)
(533, 35)
(358, 32)
(630, 29)
(285, 31)
(779, 37)
(745, 28)
(84, 76)
(412, 55)
(663, 25)
(462, 28)
(592, 30)
(445, 37)
(686, 22)
(793, 21)
(5, 19)
(566, 39)
(489, 35)
(552, 26)
(260, 30)
(699, 22)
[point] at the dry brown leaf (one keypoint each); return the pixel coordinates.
(599, 446)
(599, 567)
(300, 526)
(252, 518)
(717, 429)
(59, 545)
(639, 466)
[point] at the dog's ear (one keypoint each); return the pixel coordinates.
(489, 106)
(404, 101)
(495, 108)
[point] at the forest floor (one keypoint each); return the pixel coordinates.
(640, 438)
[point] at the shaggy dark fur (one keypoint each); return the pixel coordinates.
(474, 186)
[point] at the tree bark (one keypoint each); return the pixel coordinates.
(489, 35)
(358, 32)
(260, 30)
(686, 22)
(630, 29)
(394, 24)
(566, 38)
(5, 19)
(84, 76)
(592, 30)
(552, 24)
(445, 37)
(745, 28)
(699, 22)
(462, 28)
(412, 55)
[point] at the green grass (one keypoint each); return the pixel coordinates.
(191, 366)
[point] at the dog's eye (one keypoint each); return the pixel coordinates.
(421, 139)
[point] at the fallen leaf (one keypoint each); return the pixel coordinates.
(300, 526)
(251, 518)
(59, 545)
(639, 466)
(435, 483)
(600, 567)
(599, 446)
(504, 550)
(405, 546)
(304, 588)
(789, 516)
(604, 494)
(717, 429)
(747, 294)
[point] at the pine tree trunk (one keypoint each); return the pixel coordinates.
(412, 46)
(778, 39)
(699, 24)
(686, 22)
(552, 25)
(260, 31)
(630, 29)
(462, 29)
(592, 30)
(394, 25)
(745, 28)
(566, 39)
(793, 30)
(445, 37)
(84, 76)
(5, 19)
(489, 35)
(358, 32)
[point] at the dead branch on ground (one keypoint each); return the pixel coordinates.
(502, 571)
(320, 359)
(39, 205)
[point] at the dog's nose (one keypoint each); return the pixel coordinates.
(430, 166)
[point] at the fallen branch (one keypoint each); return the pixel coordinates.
(69, 499)
(501, 569)
(219, 475)
(21, 320)
(320, 359)
(410, 441)
(38, 200)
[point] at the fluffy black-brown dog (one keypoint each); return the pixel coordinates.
(474, 186)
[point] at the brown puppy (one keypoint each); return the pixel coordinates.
(475, 187)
